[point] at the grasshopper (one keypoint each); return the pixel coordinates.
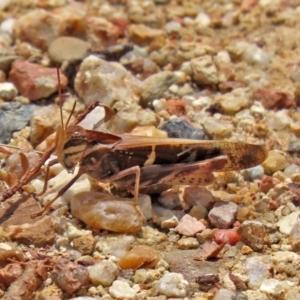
(135, 162)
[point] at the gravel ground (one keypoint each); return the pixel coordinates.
(203, 70)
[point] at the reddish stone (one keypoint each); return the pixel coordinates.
(272, 99)
(267, 183)
(176, 107)
(41, 233)
(247, 5)
(103, 33)
(35, 81)
(230, 236)
(273, 204)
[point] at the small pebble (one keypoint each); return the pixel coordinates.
(204, 70)
(291, 169)
(67, 48)
(170, 223)
(121, 290)
(276, 161)
(197, 195)
(104, 273)
(235, 101)
(279, 120)
(254, 173)
(189, 226)
(199, 212)
(223, 214)
(180, 128)
(85, 244)
(226, 236)
(273, 99)
(155, 85)
(257, 272)
(273, 286)
(286, 223)
(172, 285)
(224, 294)
(7, 91)
(188, 243)
(140, 256)
(253, 234)
(99, 79)
(218, 128)
(169, 199)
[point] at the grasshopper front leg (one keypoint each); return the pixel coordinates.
(60, 193)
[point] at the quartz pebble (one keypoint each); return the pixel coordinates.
(254, 173)
(273, 286)
(291, 170)
(7, 91)
(98, 79)
(122, 290)
(188, 243)
(224, 294)
(197, 195)
(235, 101)
(111, 213)
(204, 70)
(257, 272)
(223, 214)
(189, 226)
(67, 48)
(276, 161)
(286, 223)
(116, 246)
(172, 285)
(218, 128)
(104, 273)
(155, 85)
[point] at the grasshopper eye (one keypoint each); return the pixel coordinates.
(74, 147)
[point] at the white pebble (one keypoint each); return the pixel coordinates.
(121, 289)
(4, 4)
(8, 91)
(173, 26)
(7, 25)
(202, 20)
(160, 105)
(279, 120)
(272, 286)
(224, 294)
(257, 109)
(103, 273)
(172, 285)
(286, 223)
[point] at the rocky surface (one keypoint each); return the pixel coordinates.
(202, 70)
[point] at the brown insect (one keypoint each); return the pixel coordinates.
(135, 162)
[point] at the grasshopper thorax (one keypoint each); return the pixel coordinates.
(74, 144)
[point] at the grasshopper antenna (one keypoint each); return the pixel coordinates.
(60, 97)
(61, 103)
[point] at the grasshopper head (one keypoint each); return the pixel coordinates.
(72, 144)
